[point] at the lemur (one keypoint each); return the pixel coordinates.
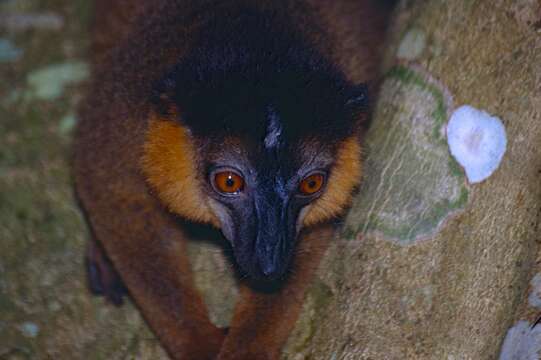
(243, 115)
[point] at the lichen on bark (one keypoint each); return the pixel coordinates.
(456, 294)
(413, 185)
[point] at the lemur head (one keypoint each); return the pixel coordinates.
(260, 145)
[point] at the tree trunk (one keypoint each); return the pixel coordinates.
(430, 266)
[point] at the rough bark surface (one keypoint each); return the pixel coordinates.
(427, 267)
(424, 278)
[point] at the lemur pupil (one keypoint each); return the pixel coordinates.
(230, 182)
(312, 184)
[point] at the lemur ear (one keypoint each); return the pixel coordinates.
(357, 98)
(357, 104)
(163, 95)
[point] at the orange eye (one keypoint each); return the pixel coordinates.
(311, 184)
(228, 182)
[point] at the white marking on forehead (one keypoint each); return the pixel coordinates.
(274, 131)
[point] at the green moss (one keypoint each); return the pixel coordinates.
(42, 277)
(347, 233)
(6, 305)
(463, 199)
(455, 168)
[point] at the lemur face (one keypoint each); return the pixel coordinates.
(260, 188)
(259, 146)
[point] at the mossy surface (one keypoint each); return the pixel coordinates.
(413, 185)
(46, 311)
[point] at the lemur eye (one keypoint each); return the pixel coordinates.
(228, 182)
(312, 184)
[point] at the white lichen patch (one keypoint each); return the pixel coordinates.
(67, 123)
(477, 141)
(8, 51)
(412, 184)
(30, 329)
(412, 45)
(522, 342)
(534, 299)
(49, 83)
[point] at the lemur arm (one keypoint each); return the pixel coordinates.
(149, 252)
(262, 322)
(148, 249)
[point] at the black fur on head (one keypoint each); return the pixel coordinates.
(254, 79)
(243, 64)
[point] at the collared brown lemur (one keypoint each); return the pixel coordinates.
(244, 115)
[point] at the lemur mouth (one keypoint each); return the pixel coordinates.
(270, 269)
(267, 263)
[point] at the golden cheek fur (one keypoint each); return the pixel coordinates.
(170, 165)
(344, 177)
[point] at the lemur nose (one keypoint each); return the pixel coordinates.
(268, 269)
(268, 261)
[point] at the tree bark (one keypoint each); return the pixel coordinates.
(430, 266)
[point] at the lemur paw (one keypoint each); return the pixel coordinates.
(103, 280)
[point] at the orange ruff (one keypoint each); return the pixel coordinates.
(169, 164)
(345, 175)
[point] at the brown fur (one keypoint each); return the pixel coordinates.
(146, 244)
